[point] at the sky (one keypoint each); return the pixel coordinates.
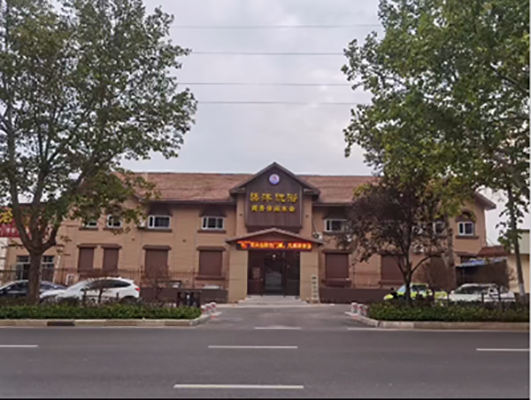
(305, 138)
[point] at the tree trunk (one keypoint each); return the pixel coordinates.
(34, 283)
(516, 245)
(407, 281)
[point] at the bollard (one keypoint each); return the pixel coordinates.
(203, 310)
(214, 307)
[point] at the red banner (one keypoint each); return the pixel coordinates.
(7, 224)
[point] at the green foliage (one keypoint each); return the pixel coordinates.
(390, 218)
(450, 98)
(449, 312)
(84, 85)
(114, 311)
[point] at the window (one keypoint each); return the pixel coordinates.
(213, 223)
(113, 222)
(466, 228)
(159, 222)
(335, 225)
(47, 262)
(23, 266)
(90, 223)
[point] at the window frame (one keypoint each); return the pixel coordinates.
(462, 232)
(151, 222)
(109, 226)
(330, 221)
(206, 218)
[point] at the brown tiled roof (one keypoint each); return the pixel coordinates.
(211, 187)
(492, 251)
(215, 187)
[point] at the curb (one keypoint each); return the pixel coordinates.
(42, 323)
(428, 325)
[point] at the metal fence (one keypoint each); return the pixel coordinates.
(70, 276)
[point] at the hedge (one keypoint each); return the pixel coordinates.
(449, 313)
(115, 311)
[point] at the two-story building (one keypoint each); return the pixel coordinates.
(266, 233)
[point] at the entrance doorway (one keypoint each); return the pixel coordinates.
(274, 273)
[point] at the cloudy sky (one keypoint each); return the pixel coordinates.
(305, 138)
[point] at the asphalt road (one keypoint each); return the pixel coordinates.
(295, 353)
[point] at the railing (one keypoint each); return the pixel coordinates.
(70, 276)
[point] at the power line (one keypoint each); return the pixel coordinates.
(239, 53)
(274, 26)
(298, 103)
(264, 84)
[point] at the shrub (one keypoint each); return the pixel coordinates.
(450, 312)
(113, 311)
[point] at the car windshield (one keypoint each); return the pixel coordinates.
(77, 286)
(475, 289)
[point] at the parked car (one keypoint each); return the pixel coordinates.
(477, 292)
(20, 288)
(417, 289)
(96, 290)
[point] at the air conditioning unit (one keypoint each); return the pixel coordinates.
(418, 249)
(318, 235)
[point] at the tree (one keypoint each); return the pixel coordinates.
(450, 87)
(391, 219)
(84, 85)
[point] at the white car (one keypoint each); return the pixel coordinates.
(478, 292)
(97, 291)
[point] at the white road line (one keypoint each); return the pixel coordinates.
(252, 387)
(294, 328)
(18, 346)
(256, 347)
(502, 350)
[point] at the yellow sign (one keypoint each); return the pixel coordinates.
(279, 197)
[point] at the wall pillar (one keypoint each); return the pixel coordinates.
(309, 267)
(238, 260)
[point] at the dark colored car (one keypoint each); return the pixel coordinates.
(20, 288)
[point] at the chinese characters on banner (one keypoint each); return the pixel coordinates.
(280, 202)
(7, 224)
(251, 245)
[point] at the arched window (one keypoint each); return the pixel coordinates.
(466, 225)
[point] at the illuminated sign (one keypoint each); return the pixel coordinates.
(7, 224)
(284, 202)
(271, 245)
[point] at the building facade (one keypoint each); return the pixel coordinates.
(267, 233)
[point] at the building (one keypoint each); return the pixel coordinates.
(267, 233)
(498, 252)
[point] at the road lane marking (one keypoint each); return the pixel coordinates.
(18, 346)
(256, 347)
(293, 328)
(502, 350)
(251, 387)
